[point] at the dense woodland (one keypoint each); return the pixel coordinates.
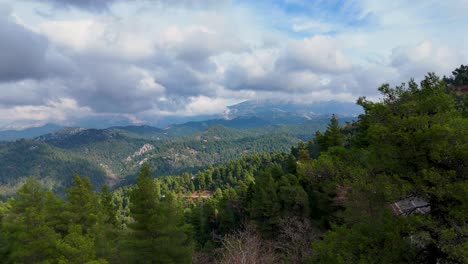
(113, 156)
(328, 200)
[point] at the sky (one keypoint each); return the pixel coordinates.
(62, 61)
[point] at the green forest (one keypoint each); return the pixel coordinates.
(113, 157)
(390, 187)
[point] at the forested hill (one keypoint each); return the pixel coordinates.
(114, 155)
(388, 188)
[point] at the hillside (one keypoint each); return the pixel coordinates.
(114, 155)
(54, 167)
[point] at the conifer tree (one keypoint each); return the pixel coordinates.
(333, 136)
(83, 204)
(31, 238)
(86, 230)
(265, 207)
(303, 152)
(108, 206)
(159, 233)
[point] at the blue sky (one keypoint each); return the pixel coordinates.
(66, 60)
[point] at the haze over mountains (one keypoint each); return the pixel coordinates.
(248, 114)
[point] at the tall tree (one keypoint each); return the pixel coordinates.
(302, 152)
(83, 204)
(86, 224)
(159, 233)
(333, 136)
(265, 207)
(108, 206)
(31, 238)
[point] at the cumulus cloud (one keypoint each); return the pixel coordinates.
(197, 44)
(141, 59)
(413, 61)
(60, 111)
(29, 92)
(317, 54)
(107, 37)
(178, 60)
(302, 66)
(112, 87)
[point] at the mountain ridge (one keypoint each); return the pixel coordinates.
(245, 115)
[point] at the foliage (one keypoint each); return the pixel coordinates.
(159, 232)
(339, 192)
(113, 156)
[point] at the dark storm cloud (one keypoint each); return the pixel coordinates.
(22, 52)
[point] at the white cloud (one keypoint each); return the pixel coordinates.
(412, 61)
(206, 105)
(59, 111)
(302, 66)
(147, 58)
(105, 37)
(318, 54)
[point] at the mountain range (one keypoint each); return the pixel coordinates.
(248, 114)
(113, 155)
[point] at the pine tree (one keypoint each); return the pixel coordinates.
(333, 136)
(108, 206)
(83, 204)
(159, 233)
(86, 232)
(77, 247)
(31, 238)
(265, 206)
(106, 240)
(291, 164)
(302, 152)
(293, 198)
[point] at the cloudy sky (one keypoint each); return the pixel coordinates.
(65, 60)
